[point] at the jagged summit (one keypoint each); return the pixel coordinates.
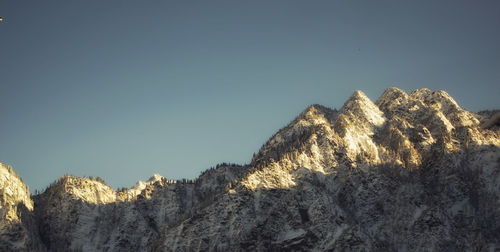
(391, 98)
(314, 116)
(141, 185)
(155, 177)
(360, 106)
(358, 99)
(409, 172)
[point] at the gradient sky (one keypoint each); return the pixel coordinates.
(124, 89)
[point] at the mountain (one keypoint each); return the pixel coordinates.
(409, 172)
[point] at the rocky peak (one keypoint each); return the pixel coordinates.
(313, 117)
(391, 99)
(399, 127)
(358, 121)
(359, 106)
(139, 187)
(18, 230)
(439, 99)
(155, 177)
(317, 114)
(89, 190)
(13, 192)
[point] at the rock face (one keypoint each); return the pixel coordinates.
(18, 229)
(409, 172)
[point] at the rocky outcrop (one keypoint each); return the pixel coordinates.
(18, 229)
(409, 172)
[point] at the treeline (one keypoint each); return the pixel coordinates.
(213, 168)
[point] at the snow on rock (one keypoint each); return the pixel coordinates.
(18, 230)
(358, 121)
(360, 106)
(411, 172)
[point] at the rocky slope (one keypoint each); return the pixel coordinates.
(410, 172)
(18, 229)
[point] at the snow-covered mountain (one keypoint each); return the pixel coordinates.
(410, 172)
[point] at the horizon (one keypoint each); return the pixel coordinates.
(123, 90)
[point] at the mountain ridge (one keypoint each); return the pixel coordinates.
(408, 172)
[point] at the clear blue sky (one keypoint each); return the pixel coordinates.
(124, 89)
